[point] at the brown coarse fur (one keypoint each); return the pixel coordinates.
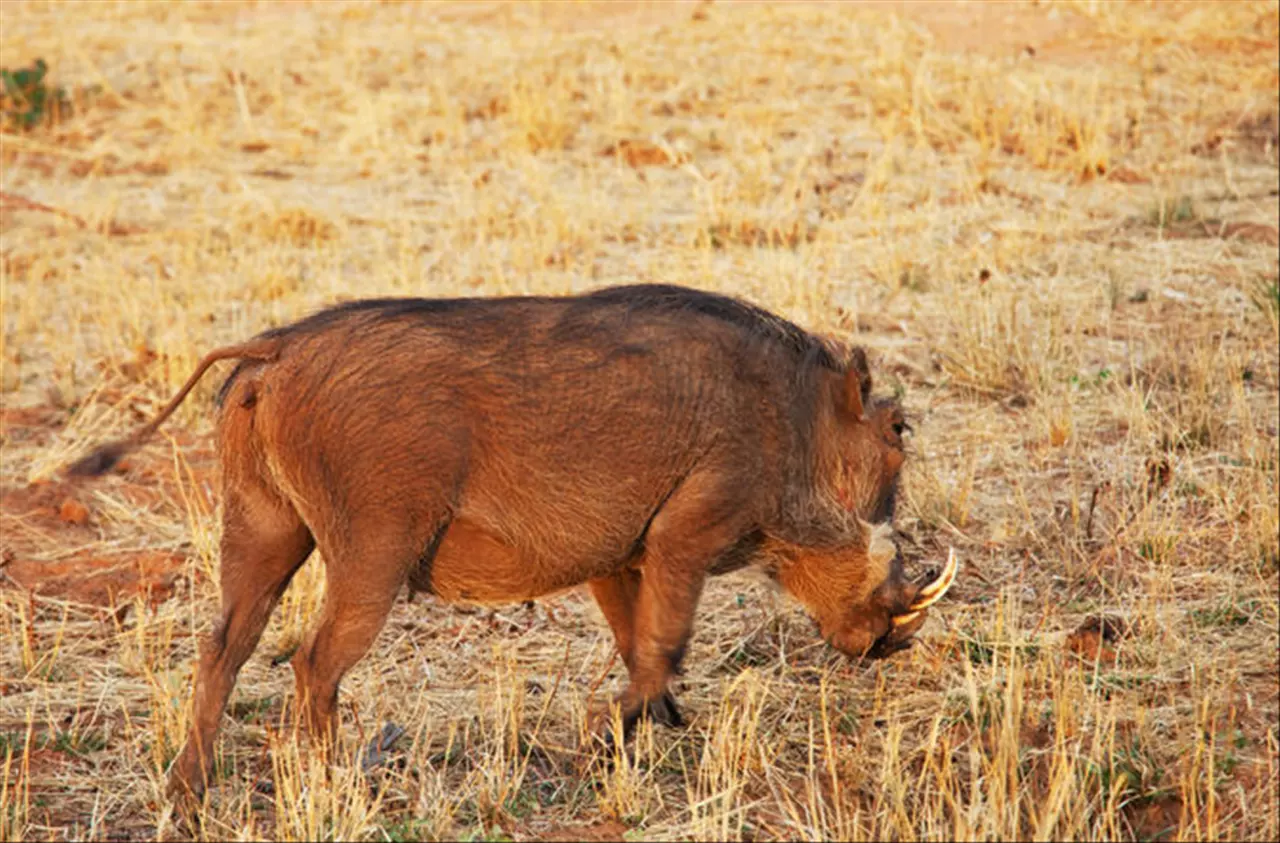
(636, 439)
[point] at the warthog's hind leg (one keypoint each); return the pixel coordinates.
(362, 586)
(263, 543)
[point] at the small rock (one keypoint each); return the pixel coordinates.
(376, 753)
(73, 512)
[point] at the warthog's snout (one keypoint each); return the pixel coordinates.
(903, 626)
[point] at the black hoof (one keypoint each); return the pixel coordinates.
(661, 710)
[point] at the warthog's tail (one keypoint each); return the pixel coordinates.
(102, 458)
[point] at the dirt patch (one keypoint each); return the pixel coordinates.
(986, 28)
(571, 17)
(41, 763)
(30, 425)
(50, 530)
(1155, 819)
(43, 519)
(1248, 232)
(101, 579)
(603, 830)
(1001, 29)
(44, 514)
(1199, 229)
(638, 154)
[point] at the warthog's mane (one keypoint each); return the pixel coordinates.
(754, 323)
(758, 323)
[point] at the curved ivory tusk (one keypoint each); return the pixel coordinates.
(903, 620)
(933, 592)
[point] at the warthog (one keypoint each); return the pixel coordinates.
(636, 439)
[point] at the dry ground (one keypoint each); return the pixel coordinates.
(1055, 227)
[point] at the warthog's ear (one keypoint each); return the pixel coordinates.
(857, 383)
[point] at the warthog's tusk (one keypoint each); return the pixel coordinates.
(933, 592)
(930, 594)
(903, 620)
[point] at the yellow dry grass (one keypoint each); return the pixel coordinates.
(1053, 225)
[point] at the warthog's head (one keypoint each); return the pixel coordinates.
(872, 456)
(861, 446)
(846, 571)
(860, 595)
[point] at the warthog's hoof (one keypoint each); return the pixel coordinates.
(187, 782)
(660, 710)
(187, 799)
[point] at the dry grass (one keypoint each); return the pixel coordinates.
(1063, 259)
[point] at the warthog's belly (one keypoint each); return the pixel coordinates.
(475, 565)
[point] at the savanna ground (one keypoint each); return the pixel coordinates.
(1053, 225)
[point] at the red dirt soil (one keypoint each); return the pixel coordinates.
(108, 579)
(49, 533)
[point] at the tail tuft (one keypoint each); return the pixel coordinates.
(101, 460)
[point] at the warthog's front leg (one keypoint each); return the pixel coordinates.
(616, 595)
(699, 522)
(665, 607)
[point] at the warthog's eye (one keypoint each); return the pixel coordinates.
(900, 427)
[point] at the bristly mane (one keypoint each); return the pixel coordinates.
(760, 323)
